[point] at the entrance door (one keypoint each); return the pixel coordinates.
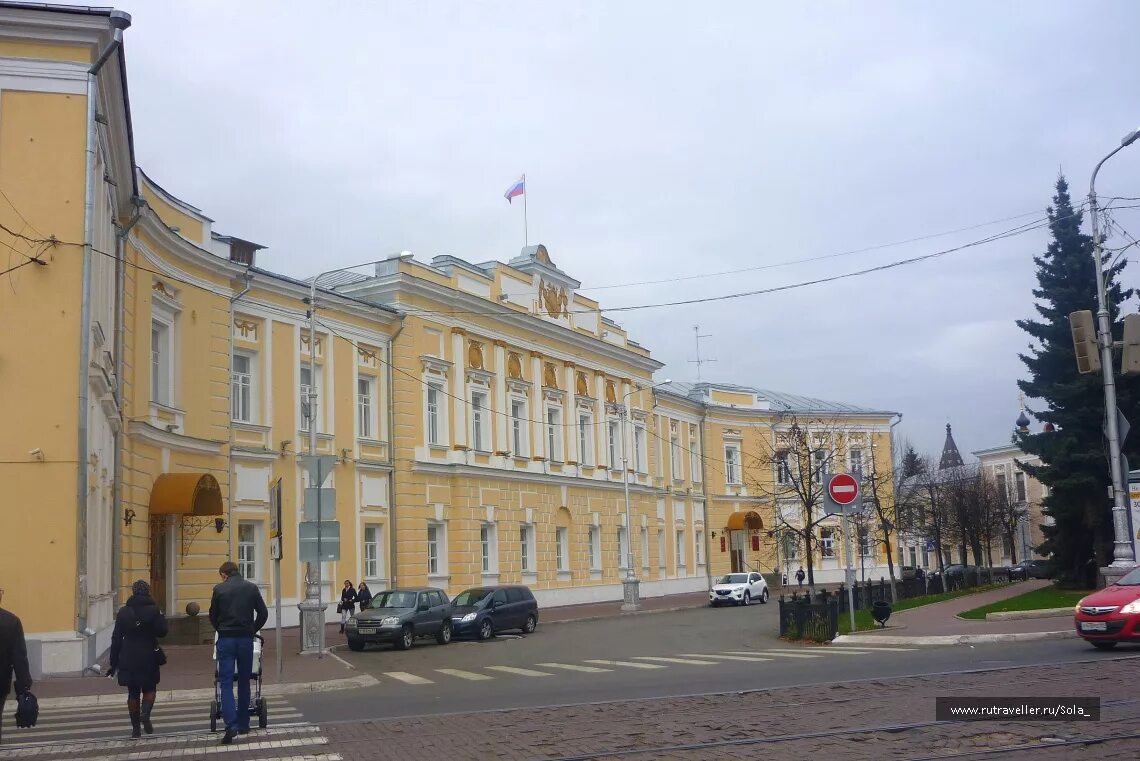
(737, 542)
(159, 559)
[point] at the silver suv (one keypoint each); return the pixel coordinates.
(401, 616)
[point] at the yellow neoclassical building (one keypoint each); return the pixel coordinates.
(485, 419)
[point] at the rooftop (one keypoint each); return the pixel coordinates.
(779, 401)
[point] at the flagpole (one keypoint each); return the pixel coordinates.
(526, 242)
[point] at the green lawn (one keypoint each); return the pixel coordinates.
(1039, 599)
(863, 620)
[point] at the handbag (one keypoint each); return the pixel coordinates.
(159, 656)
(339, 608)
(27, 710)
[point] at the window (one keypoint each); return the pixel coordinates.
(586, 439)
(364, 406)
(818, 465)
(856, 464)
(866, 543)
(639, 453)
(437, 549)
(309, 385)
(161, 358)
(1019, 484)
(372, 545)
(694, 455)
(1002, 487)
(434, 431)
(913, 556)
(554, 433)
(827, 542)
(480, 422)
(680, 548)
(561, 549)
(783, 474)
(615, 445)
(595, 549)
(661, 548)
(732, 464)
(644, 547)
(526, 547)
(518, 428)
(700, 548)
(241, 388)
(247, 549)
(487, 549)
(623, 549)
(791, 546)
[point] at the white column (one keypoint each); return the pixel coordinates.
(570, 418)
(458, 391)
(537, 409)
(502, 421)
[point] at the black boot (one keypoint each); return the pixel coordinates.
(133, 711)
(144, 714)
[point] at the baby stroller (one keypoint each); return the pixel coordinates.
(257, 705)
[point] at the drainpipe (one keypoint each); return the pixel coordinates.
(247, 276)
(119, 21)
(392, 458)
(120, 293)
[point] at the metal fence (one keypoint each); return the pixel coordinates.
(801, 617)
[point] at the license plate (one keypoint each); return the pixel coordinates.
(365, 631)
(1094, 626)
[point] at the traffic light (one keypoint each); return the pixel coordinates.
(1130, 359)
(1084, 341)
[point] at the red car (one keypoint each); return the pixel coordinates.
(1111, 615)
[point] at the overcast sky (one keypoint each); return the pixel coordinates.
(666, 140)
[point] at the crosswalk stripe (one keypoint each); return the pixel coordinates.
(519, 671)
(75, 748)
(627, 664)
(575, 667)
(725, 657)
(407, 678)
(212, 750)
(773, 653)
(114, 726)
(685, 661)
(872, 648)
(470, 675)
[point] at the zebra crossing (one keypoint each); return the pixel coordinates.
(601, 666)
(70, 732)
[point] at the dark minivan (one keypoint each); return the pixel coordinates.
(482, 611)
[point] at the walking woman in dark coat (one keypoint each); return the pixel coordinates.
(363, 596)
(347, 603)
(135, 655)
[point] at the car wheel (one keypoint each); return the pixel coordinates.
(407, 638)
(764, 597)
(444, 635)
(355, 644)
(531, 624)
(1104, 645)
(747, 597)
(486, 629)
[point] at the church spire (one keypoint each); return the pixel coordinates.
(951, 457)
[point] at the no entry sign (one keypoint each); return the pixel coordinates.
(843, 489)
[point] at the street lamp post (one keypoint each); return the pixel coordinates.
(1122, 550)
(630, 584)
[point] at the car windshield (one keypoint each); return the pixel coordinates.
(471, 596)
(734, 578)
(394, 600)
(1131, 579)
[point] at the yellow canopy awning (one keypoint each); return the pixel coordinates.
(741, 520)
(186, 494)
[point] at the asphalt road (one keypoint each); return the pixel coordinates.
(648, 656)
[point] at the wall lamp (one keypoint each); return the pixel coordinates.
(219, 524)
(128, 516)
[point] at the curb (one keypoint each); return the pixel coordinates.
(1018, 615)
(207, 693)
(953, 639)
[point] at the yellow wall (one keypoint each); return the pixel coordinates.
(45, 51)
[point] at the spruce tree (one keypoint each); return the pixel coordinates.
(1074, 463)
(912, 464)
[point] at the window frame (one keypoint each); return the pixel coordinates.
(488, 548)
(586, 438)
(479, 400)
(594, 539)
(677, 469)
(640, 453)
(527, 548)
(435, 420)
(613, 432)
(378, 546)
(162, 391)
(698, 547)
(554, 435)
(623, 548)
(366, 407)
(248, 389)
(827, 545)
(1020, 486)
(732, 471)
(251, 546)
(679, 541)
(520, 428)
(304, 389)
(562, 549)
(438, 547)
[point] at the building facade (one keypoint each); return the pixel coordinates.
(1002, 467)
(485, 420)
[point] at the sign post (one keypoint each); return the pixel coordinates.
(275, 553)
(843, 491)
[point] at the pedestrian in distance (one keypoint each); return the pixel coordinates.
(363, 596)
(347, 605)
(13, 661)
(800, 576)
(237, 613)
(136, 656)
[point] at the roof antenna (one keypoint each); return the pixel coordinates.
(698, 361)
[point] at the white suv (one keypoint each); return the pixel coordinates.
(739, 589)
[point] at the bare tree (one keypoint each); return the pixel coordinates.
(894, 500)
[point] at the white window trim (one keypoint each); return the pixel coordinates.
(492, 556)
(318, 382)
(695, 460)
(676, 466)
(521, 423)
(645, 548)
(562, 549)
(679, 541)
(613, 435)
(553, 433)
(585, 438)
(732, 470)
(640, 455)
(379, 544)
(373, 407)
(441, 417)
(251, 414)
(827, 546)
(594, 537)
(481, 422)
(256, 544)
(699, 548)
(441, 550)
(623, 548)
(167, 321)
(527, 537)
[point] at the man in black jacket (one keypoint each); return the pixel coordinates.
(13, 658)
(237, 613)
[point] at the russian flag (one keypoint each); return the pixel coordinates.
(518, 189)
